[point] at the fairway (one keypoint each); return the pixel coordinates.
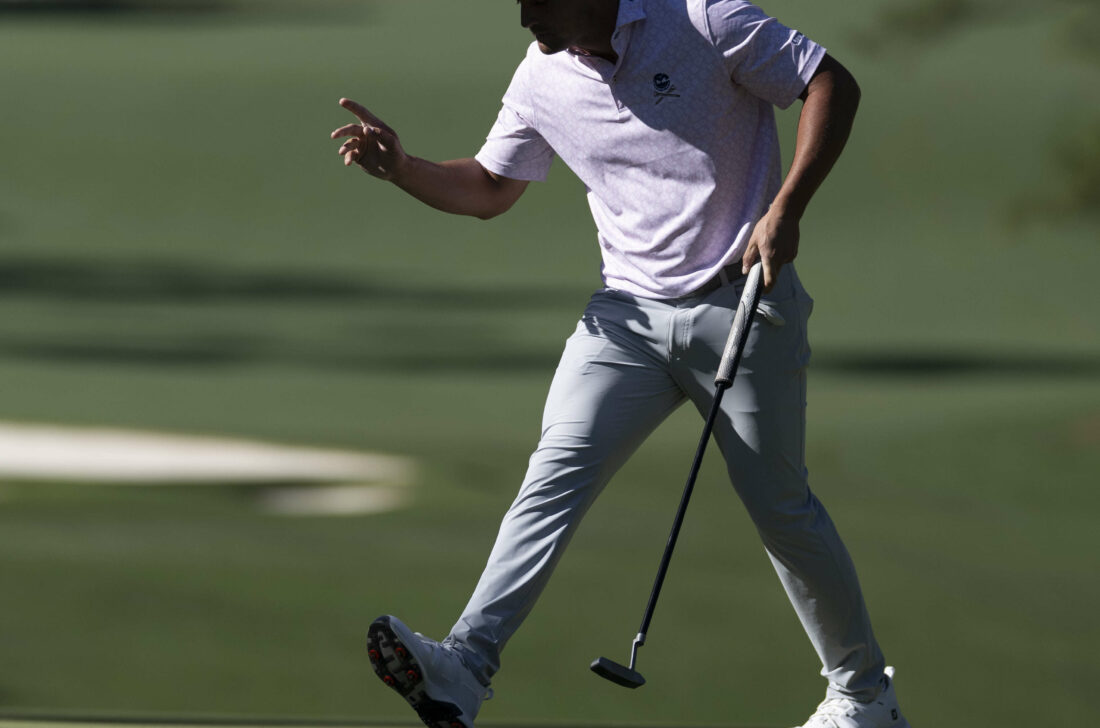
(184, 723)
(183, 256)
(213, 722)
(181, 723)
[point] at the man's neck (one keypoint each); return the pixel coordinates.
(605, 16)
(611, 56)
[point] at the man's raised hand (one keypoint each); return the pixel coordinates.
(458, 186)
(371, 143)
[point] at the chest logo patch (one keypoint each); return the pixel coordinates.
(663, 88)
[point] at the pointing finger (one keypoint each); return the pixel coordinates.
(361, 111)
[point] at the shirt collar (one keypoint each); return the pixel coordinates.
(630, 11)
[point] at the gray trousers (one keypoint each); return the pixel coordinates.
(628, 365)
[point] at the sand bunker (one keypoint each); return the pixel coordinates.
(339, 482)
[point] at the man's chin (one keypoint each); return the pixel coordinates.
(549, 49)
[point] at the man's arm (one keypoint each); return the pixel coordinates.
(829, 107)
(460, 186)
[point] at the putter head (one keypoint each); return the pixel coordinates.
(616, 673)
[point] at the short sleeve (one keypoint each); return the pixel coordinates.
(769, 59)
(514, 147)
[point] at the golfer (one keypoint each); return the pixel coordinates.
(664, 109)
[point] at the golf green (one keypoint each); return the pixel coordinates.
(182, 253)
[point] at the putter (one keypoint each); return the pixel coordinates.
(731, 357)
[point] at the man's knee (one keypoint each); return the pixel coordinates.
(565, 470)
(786, 517)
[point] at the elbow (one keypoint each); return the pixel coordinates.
(489, 213)
(498, 196)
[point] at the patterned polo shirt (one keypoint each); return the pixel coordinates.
(676, 142)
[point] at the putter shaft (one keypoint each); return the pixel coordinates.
(727, 368)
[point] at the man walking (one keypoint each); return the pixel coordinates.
(664, 109)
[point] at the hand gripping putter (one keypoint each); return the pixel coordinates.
(727, 368)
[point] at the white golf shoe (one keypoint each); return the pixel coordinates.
(430, 676)
(882, 712)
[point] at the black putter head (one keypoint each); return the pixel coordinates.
(616, 673)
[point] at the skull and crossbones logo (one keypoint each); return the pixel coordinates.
(663, 88)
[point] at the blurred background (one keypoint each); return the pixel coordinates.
(182, 254)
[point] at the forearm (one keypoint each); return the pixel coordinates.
(459, 186)
(828, 111)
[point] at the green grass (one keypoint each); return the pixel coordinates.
(182, 250)
(206, 721)
(219, 722)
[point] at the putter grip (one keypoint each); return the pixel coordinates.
(731, 356)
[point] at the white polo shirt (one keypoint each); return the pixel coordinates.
(676, 142)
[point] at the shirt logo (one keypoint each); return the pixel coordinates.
(663, 88)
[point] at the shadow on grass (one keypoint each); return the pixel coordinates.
(912, 364)
(465, 349)
(158, 282)
(34, 719)
(433, 358)
(113, 7)
(405, 338)
(192, 10)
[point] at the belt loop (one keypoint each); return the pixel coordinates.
(723, 277)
